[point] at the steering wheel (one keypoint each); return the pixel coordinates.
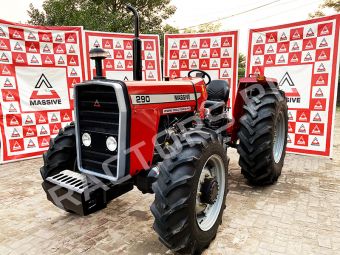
(203, 73)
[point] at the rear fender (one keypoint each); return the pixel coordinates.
(241, 95)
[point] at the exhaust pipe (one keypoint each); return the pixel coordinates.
(137, 47)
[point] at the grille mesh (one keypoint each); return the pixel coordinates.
(98, 115)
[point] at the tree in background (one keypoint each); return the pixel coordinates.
(328, 4)
(103, 15)
(241, 65)
(209, 27)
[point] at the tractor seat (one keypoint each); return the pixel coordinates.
(218, 95)
(218, 90)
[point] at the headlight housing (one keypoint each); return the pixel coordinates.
(111, 143)
(86, 139)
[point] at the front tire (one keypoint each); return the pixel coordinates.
(263, 137)
(61, 154)
(181, 196)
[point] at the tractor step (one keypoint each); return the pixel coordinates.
(75, 192)
(70, 180)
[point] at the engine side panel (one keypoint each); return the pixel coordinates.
(149, 101)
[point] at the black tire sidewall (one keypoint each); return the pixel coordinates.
(281, 108)
(61, 154)
(256, 137)
(204, 238)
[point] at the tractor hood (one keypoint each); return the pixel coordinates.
(151, 100)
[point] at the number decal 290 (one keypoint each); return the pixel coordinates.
(142, 99)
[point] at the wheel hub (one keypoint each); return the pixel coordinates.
(209, 190)
(279, 138)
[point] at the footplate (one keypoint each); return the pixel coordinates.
(70, 180)
(81, 194)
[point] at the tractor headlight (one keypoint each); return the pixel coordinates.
(111, 143)
(86, 139)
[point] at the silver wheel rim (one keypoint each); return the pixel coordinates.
(207, 214)
(279, 138)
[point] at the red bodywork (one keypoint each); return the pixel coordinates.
(145, 117)
(239, 102)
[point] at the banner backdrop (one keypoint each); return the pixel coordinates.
(119, 64)
(38, 69)
(215, 53)
(303, 57)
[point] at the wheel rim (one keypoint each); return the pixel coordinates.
(279, 138)
(207, 213)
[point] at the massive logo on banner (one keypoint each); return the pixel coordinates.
(45, 88)
(215, 53)
(303, 57)
(38, 68)
(119, 63)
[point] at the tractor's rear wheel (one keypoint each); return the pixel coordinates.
(61, 154)
(263, 137)
(190, 196)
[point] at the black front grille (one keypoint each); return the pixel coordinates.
(98, 115)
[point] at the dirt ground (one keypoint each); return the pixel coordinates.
(298, 215)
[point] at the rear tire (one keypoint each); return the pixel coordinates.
(263, 137)
(61, 154)
(176, 194)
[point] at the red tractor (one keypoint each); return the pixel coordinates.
(169, 138)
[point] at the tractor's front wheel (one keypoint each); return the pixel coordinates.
(61, 154)
(263, 137)
(190, 195)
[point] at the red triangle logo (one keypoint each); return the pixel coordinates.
(8, 83)
(66, 117)
(43, 131)
(96, 104)
(2, 32)
(151, 76)
(31, 144)
(31, 36)
(16, 146)
(317, 117)
(288, 86)
(28, 120)
(315, 142)
(44, 90)
(15, 133)
(290, 116)
(4, 58)
(29, 132)
(316, 130)
(289, 140)
(14, 121)
(5, 71)
(301, 141)
(44, 143)
(59, 38)
(302, 129)
(3, 46)
(71, 50)
(319, 93)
